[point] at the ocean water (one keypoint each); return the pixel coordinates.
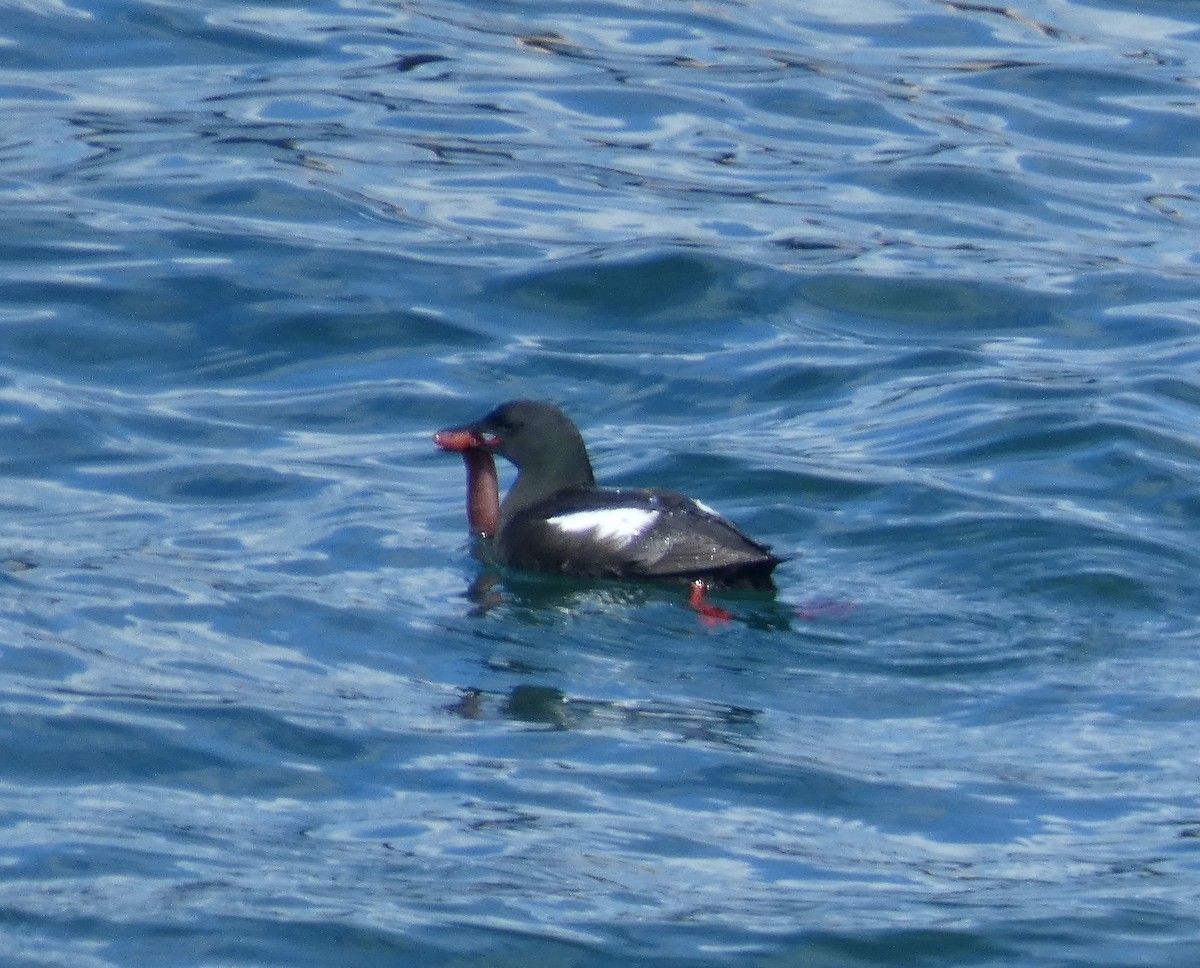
(907, 288)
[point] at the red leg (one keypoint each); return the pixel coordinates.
(711, 614)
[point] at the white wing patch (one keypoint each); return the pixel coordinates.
(619, 526)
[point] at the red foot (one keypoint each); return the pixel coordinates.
(711, 614)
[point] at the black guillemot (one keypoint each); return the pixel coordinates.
(555, 519)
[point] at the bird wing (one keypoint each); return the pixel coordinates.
(628, 534)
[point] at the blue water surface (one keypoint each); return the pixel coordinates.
(907, 288)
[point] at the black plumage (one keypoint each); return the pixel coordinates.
(555, 518)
